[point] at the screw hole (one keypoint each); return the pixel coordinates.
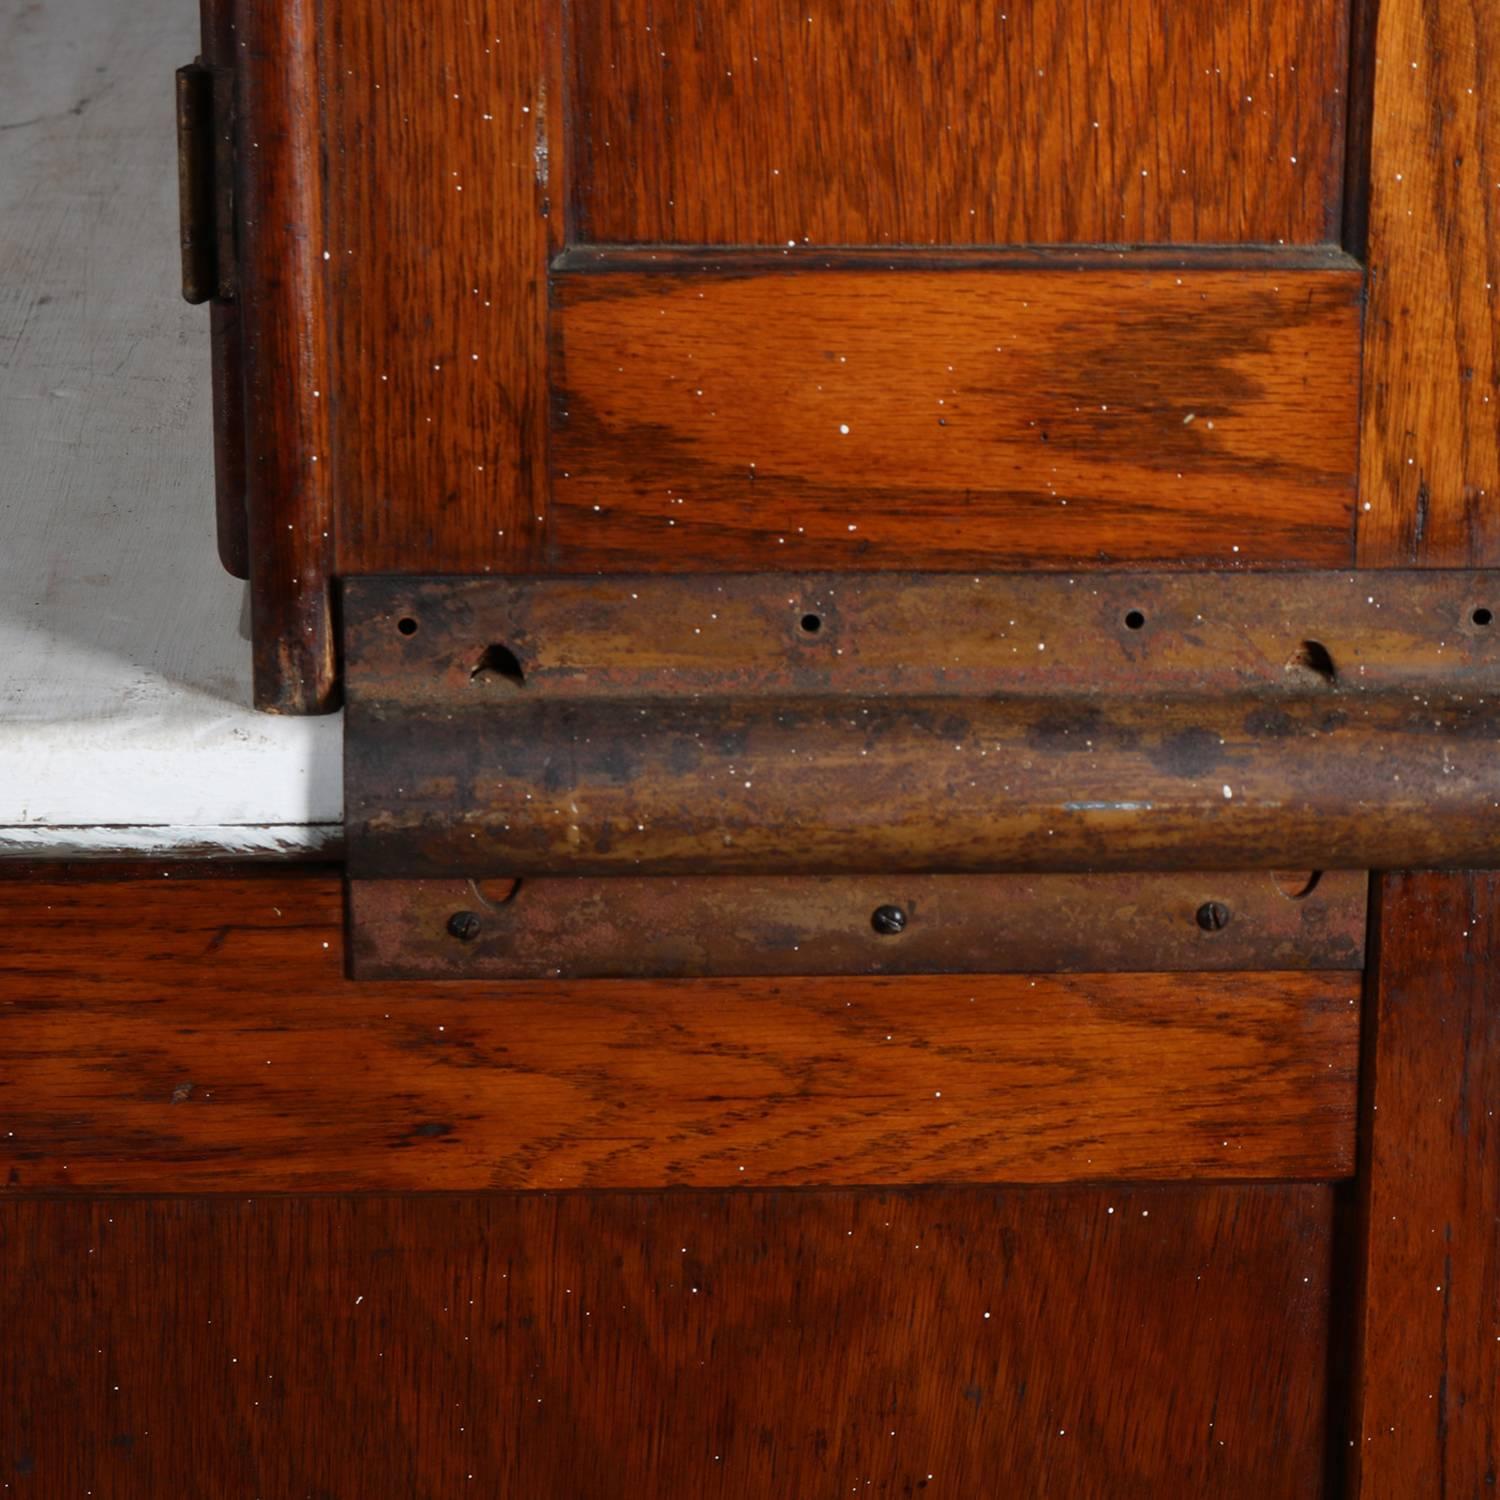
(495, 893)
(499, 661)
(407, 625)
(1481, 616)
(1135, 620)
(811, 624)
(1296, 885)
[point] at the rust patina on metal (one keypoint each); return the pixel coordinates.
(732, 925)
(921, 724)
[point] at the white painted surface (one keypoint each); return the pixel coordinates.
(124, 671)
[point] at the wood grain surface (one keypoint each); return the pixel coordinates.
(1430, 465)
(1429, 1337)
(1429, 1417)
(176, 1036)
(428, 153)
(444, 166)
(759, 415)
(772, 121)
(1128, 1343)
(284, 348)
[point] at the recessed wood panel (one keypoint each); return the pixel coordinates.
(1135, 1344)
(886, 414)
(942, 122)
(201, 1036)
(410, 203)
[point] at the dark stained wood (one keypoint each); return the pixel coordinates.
(1364, 21)
(1429, 1414)
(282, 283)
(994, 416)
(219, 44)
(1430, 469)
(1428, 1373)
(219, 56)
(229, 438)
(1118, 1343)
(445, 163)
(175, 1036)
(761, 122)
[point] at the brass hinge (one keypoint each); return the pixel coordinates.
(844, 771)
(205, 147)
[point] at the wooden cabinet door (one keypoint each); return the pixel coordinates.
(690, 286)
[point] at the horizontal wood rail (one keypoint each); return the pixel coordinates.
(199, 1035)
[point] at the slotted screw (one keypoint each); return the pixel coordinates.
(1213, 916)
(465, 926)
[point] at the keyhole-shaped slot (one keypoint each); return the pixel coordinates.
(1312, 660)
(499, 662)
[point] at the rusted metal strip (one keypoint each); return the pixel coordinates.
(932, 724)
(729, 926)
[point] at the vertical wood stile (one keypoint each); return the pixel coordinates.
(1428, 1358)
(283, 277)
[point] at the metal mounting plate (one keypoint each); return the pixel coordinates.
(739, 925)
(920, 724)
